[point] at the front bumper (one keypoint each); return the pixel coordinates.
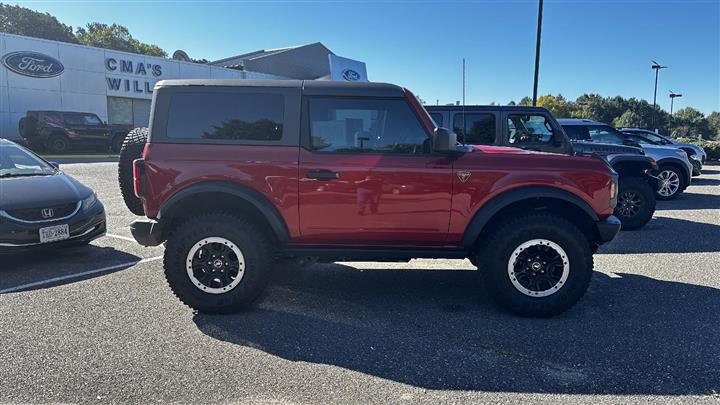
(146, 232)
(607, 229)
(83, 226)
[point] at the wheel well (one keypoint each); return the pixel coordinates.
(566, 209)
(214, 201)
(57, 132)
(630, 168)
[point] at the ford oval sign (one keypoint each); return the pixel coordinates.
(32, 64)
(350, 75)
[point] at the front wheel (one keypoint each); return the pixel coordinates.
(217, 263)
(537, 265)
(671, 182)
(635, 203)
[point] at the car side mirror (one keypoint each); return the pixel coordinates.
(55, 165)
(445, 141)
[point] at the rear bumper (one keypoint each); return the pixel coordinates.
(607, 229)
(146, 232)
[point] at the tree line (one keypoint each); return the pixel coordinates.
(632, 112)
(24, 21)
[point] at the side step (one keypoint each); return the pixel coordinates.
(371, 254)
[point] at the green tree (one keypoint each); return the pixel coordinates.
(690, 122)
(115, 37)
(629, 119)
(23, 21)
(713, 120)
(557, 105)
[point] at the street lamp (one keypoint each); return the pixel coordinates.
(656, 67)
(672, 99)
(537, 51)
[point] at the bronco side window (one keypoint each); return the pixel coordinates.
(365, 126)
(226, 116)
(528, 129)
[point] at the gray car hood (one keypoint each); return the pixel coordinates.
(40, 191)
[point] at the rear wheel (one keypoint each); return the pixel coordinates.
(537, 265)
(635, 203)
(131, 149)
(58, 143)
(671, 182)
(217, 263)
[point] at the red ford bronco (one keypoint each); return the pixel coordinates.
(239, 176)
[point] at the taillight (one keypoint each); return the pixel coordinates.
(139, 177)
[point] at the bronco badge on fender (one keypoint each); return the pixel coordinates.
(463, 175)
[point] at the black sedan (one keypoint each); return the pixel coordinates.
(42, 206)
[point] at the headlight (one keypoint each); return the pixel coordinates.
(696, 157)
(89, 202)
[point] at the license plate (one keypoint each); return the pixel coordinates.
(54, 233)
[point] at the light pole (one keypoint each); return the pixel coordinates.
(672, 99)
(656, 67)
(537, 51)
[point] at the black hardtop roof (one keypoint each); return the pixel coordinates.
(310, 87)
(483, 108)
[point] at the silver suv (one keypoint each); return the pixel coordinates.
(674, 167)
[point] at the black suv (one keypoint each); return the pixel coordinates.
(535, 128)
(58, 131)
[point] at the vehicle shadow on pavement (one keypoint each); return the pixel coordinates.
(702, 181)
(691, 201)
(437, 329)
(65, 266)
(667, 235)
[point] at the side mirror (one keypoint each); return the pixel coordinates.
(445, 141)
(55, 165)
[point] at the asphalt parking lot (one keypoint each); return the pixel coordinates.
(98, 324)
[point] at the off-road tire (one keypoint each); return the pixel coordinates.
(254, 244)
(498, 246)
(643, 193)
(681, 186)
(58, 143)
(132, 148)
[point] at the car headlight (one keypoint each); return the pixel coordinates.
(696, 157)
(89, 202)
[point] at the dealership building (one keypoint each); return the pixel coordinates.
(38, 74)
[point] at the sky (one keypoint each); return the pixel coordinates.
(602, 46)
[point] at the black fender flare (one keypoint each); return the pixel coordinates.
(497, 203)
(253, 197)
(679, 163)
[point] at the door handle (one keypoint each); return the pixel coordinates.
(323, 175)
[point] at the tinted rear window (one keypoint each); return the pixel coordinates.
(226, 116)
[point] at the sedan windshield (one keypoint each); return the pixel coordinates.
(16, 162)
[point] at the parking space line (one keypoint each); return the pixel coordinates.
(120, 237)
(77, 275)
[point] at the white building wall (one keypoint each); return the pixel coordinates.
(83, 85)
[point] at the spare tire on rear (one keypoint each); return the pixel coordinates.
(132, 148)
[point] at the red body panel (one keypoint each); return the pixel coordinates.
(382, 200)
(272, 171)
(378, 200)
(495, 169)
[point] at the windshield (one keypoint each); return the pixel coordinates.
(651, 136)
(604, 134)
(16, 161)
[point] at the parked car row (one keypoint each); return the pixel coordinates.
(238, 177)
(648, 170)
